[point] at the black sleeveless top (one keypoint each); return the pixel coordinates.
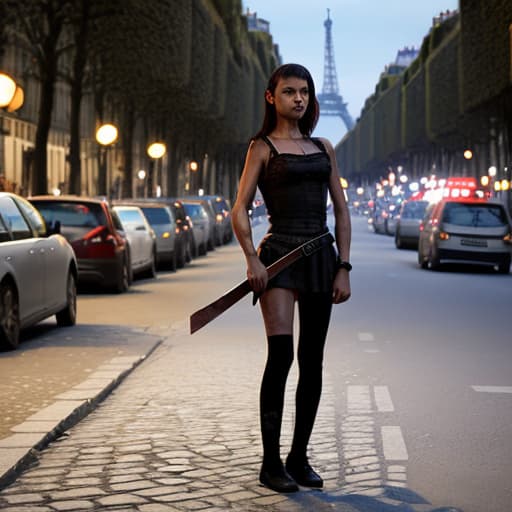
(294, 188)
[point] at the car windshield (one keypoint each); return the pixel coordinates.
(157, 216)
(73, 214)
(474, 215)
(196, 211)
(414, 210)
(129, 216)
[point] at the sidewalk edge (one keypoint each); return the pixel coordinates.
(80, 412)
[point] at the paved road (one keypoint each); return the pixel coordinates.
(393, 434)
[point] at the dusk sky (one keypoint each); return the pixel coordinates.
(366, 37)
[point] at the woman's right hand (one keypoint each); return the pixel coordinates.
(256, 274)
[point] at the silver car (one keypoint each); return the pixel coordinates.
(38, 271)
(407, 227)
(202, 224)
(141, 239)
(472, 231)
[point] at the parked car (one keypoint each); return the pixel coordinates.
(222, 211)
(141, 239)
(89, 226)
(161, 218)
(472, 231)
(216, 222)
(184, 227)
(407, 229)
(38, 271)
(203, 228)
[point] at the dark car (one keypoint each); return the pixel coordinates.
(203, 225)
(407, 229)
(89, 226)
(184, 235)
(222, 211)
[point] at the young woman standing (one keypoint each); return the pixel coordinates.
(294, 173)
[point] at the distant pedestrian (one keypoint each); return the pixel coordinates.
(294, 173)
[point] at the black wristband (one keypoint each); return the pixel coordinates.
(343, 264)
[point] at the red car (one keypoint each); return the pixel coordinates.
(94, 233)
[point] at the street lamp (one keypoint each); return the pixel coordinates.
(193, 166)
(106, 135)
(156, 151)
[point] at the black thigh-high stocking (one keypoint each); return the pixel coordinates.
(314, 314)
(279, 361)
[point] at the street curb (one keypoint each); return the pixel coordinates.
(20, 457)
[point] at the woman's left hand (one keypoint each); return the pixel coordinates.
(341, 287)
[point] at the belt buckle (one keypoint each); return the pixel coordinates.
(309, 248)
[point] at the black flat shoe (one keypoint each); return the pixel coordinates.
(278, 480)
(303, 473)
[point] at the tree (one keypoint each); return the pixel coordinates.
(38, 26)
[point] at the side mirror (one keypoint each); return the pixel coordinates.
(53, 228)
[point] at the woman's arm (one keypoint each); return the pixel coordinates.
(342, 229)
(257, 156)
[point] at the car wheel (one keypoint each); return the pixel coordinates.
(189, 251)
(123, 278)
(67, 316)
(504, 267)
(152, 268)
(422, 262)
(433, 262)
(173, 261)
(398, 241)
(9, 316)
(182, 256)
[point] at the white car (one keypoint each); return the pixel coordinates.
(38, 271)
(141, 239)
(470, 231)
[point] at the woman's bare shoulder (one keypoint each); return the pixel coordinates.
(327, 143)
(259, 149)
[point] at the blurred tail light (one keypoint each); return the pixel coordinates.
(97, 243)
(508, 238)
(443, 235)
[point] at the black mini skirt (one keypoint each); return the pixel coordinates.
(310, 274)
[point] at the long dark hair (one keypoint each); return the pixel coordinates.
(308, 121)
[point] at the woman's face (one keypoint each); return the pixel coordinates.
(291, 97)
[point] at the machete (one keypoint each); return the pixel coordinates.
(205, 315)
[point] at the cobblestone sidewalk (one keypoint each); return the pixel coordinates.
(182, 434)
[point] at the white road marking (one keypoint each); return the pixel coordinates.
(383, 399)
(493, 389)
(393, 444)
(365, 336)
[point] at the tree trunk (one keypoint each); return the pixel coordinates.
(40, 168)
(127, 147)
(81, 37)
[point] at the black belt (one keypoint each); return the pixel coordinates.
(205, 315)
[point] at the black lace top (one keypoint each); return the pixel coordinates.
(294, 188)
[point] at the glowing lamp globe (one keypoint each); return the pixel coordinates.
(157, 150)
(106, 134)
(7, 90)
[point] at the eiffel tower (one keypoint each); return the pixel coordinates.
(331, 103)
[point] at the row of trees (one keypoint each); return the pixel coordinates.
(456, 95)
(185, 72)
